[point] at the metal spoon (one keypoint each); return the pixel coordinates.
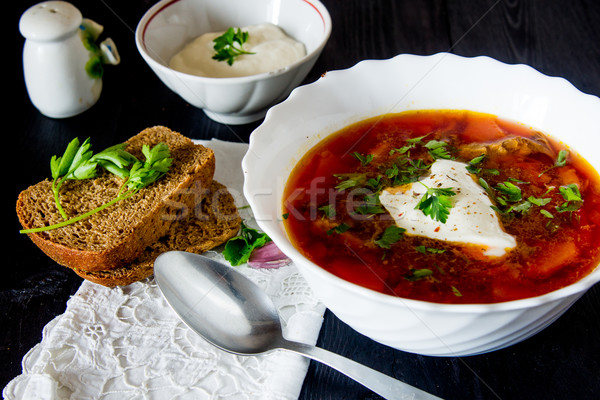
(234, 314)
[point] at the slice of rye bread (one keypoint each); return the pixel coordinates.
(118, 234)
(215, 221)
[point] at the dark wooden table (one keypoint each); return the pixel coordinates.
(559, 38)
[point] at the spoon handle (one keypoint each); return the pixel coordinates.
(382, 384)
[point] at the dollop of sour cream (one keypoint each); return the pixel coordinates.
(471, 220)
(272, 50)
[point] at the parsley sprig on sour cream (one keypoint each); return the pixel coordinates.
(436, 203)
(229, 45)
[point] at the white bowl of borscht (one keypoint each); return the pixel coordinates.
(440, 205)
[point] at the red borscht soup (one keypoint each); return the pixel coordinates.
(535, 193)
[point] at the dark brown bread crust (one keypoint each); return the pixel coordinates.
(214, 222)
(118, 235)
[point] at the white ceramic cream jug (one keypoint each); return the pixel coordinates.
(62, 63)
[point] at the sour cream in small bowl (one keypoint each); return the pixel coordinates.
(176, 38)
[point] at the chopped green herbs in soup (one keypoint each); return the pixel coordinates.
(446, 206)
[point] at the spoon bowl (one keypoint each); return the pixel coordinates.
(231, 312)
(218, 303)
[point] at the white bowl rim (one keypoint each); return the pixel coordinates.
(162, 4)
(577, 288)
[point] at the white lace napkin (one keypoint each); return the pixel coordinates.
(127, 343)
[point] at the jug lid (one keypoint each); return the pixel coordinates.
(50, 20)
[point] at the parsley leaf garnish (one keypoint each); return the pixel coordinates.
(375, 183)
(406, 170)
(341, 228)
(392, 172)
(370, 205)
(156, 165)
(456, 292)
(79, 162)
(328, 210)
(401, 150)
(364, 160)
(572, 197)
(412, 143)
(416, 274)
(546, 213)
(511, 192)
(350, 181)
(417, 140)
(433, 250)
(540, 202)
(73, 164)
(436, 203)
(390, 236)
(472, 165)
(238, 249)
(370, 209)
(226, 48)
(561, 161)
(438, 149)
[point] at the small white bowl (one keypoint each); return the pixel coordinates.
(407, 82)
(170, 24)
